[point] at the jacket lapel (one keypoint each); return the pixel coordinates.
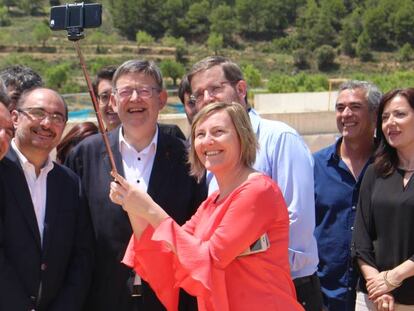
(161, 169)
(21, 192)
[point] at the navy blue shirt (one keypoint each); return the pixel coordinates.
(336, 198)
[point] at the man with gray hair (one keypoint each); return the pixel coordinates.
(338, 172)
(156, 161)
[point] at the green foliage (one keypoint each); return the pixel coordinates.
(180, 45)
(325, 57)
(405, 53)
(42, 33)
(301, 58)
(144, 38)
(57, 76)
(285, 44)
(197, 19)
(252, 75)
(363, 47)
(172, 69)
(389, 81)
(223, 22)
(215, 42)
(4, 17)
(299, 83)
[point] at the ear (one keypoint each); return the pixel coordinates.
(15, 118)
(241, 89)
(163, 98)
(113, 103)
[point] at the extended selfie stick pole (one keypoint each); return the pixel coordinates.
(95, 107)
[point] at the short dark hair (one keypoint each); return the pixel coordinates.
(105, 73)
(386, 158)
(184, 88)
(21, 77)
(75, 135)
(26, 93)
(4, 98)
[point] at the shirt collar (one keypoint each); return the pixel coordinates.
(151, 146)
(25, 163)
(254, 119)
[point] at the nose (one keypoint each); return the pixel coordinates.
(347, 111)
(207, 97)
(134, 95)
(46, 122)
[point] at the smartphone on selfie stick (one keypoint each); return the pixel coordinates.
(74, 18)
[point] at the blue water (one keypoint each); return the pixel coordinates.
(83, 114)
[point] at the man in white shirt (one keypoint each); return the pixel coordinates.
(46, 238)
(145, 154)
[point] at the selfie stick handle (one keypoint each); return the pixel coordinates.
(96, 107)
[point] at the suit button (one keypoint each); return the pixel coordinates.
(43, 267)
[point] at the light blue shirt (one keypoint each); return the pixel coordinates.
(284, 156)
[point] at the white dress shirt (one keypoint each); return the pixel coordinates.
(138, 165)
(37, 186)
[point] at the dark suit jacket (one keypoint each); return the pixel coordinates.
(169, 185)
(57, 274)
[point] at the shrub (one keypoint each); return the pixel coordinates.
(144, 38)
(301, 59)
(325, 57)
(172, 69)
(215, 42)
(252, 76)
(405, 53)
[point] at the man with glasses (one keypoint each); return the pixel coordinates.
(184, 93)
(102, 86)
(46, 236)
(283, 156)
(143, 154)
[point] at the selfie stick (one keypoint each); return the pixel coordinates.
(75, 34)
(96, 107)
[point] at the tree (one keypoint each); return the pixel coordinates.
(215, 42)
(363, 47)
(301, 58)
(130, 16)
(144, 38)
(4, 17)
(172, 69)
(402, 22)
(42, 33)
(405, 53)
(252, 76)
(346, 40)
(223, 22)
(325, 57)
(197, 20)
(56, 76)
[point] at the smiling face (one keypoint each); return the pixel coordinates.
(354, 120)
(211, 85)
(35, 135)
(109, 116)
(217, 144)
(398, 124)
(138, 115)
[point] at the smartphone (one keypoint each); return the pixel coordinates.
(260, 245)
(76, 15)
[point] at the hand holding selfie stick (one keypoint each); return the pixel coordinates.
(72, 17)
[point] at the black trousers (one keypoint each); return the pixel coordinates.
(308, 292)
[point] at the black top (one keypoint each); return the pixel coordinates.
(384, 227)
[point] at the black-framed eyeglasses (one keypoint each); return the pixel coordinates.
(39, 114)
(104, 98)
(142, 92)
(212, 90)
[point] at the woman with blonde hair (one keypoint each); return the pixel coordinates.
(233, 253)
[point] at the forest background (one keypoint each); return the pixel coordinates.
(281, 45)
